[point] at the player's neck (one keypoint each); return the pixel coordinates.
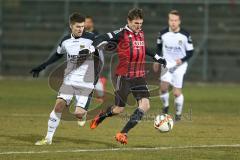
(74, 36)
(174, 30)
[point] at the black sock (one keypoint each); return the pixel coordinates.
(133, 121)
(165, 110)
(107, 113)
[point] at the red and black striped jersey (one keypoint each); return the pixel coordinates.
(131, 51)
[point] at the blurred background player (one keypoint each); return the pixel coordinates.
(78, 81)
(175, 45)
(130, 72)
(100, 86)
(89, 25)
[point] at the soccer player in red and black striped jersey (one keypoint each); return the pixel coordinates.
(130, 72)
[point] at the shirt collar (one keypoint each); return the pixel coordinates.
(72, 36)
(127, 28)
(174, 32)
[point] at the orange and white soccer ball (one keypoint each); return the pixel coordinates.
(163, 122)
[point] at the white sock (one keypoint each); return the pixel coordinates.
(165, 99)
(179, 104)
(53, 123)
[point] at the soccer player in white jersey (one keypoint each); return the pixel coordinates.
(175, 45)
(79, 77)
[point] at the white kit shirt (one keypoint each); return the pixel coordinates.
(174, 44)
(80, 68)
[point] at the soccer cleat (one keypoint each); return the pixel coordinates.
(81, 122)
(178, 117)
(96, 121)
(43, 142)
(121, 138)
(165, 110)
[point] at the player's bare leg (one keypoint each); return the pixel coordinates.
(81, 115)
(179, 100)
(137, 115)
(164, 86)
(53, 122)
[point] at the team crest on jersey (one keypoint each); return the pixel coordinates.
(82, 46)
(180, 42)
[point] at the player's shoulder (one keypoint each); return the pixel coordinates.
(88, 35)
(66, 37)
(120, 30)
(164, 31)
(184, 32)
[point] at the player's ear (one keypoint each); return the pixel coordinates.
(128, 21)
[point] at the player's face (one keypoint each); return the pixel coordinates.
(174, 22)
(88, 24)
(77, 29)
(135, 25)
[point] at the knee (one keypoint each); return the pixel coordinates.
(144, 104)
(118, 110)
(164, 87)
(177, 94)
(59, 106)
(79, 114)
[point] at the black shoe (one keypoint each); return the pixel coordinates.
(178, 117)
(165, 110)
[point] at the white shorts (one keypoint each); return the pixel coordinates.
(175, 78)
(82, 95)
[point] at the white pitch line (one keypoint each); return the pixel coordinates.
(121, 149)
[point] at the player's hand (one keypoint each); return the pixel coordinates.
(35, 71)
(87, 51)
(162, 61)
(84, 52)
(178, 62)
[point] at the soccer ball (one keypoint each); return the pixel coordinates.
(163, 123)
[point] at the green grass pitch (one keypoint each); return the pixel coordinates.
(210, 128)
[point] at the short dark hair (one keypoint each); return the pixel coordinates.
(135, 13)
(89, 17)
(175, 12)
(76, 17)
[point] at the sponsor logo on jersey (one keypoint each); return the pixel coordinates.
(172, 48)
(138, 44)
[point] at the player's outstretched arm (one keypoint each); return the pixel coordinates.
(36, 70)
(157, 58)
(103, 39)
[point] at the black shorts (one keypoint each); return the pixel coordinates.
(124, 86)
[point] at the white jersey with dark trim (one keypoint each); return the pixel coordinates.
(174, 44)
(80, 68)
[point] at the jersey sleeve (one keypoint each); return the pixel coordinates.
(159, 44)
(105, 38)
(61, 48)
(189, 44)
